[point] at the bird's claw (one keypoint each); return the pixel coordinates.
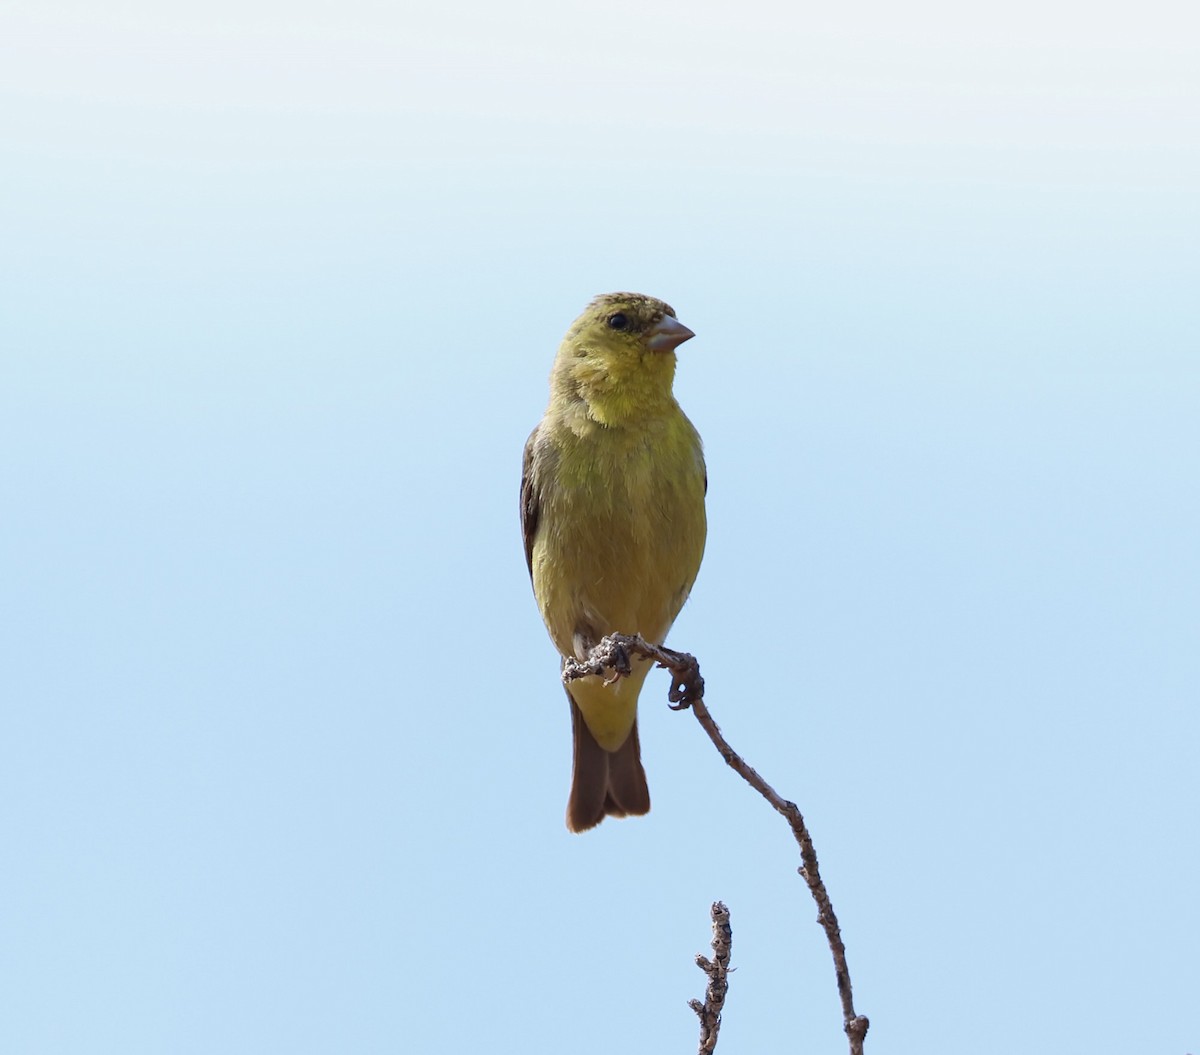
(617, 660)
(687, 686)
(609, 660)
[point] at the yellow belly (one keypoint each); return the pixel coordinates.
(619, 542)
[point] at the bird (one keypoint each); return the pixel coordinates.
(613, 486)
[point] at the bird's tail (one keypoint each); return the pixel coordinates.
(604, 783)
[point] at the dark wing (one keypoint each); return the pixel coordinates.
(530, 509)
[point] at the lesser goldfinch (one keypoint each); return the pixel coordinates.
(612, 512)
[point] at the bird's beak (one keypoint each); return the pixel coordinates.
(667, 334)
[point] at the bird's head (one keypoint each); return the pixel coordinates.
(618, 357)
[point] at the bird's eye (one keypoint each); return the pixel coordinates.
(618, 321)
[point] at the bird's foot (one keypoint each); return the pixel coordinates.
(612, 660)
(609, 659)
(687, 686)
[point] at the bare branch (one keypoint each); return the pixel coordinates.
(687, 690)
(855, 1025)
(717, 970)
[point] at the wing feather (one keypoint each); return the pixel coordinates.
(530, 504)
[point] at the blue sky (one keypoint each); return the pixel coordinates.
(283, 754)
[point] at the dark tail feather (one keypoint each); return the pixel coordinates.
(627, 789)
(604, 784)
(589, 777)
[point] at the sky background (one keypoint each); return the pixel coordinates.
(283, 753)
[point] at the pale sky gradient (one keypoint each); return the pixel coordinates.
(283, 754)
